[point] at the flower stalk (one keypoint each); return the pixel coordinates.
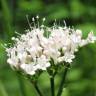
(37, 89)
(52, 86)
(35, 85)
(63, 80)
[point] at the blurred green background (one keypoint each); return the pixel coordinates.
(81, 79)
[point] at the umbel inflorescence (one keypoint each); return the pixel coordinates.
(34, 50)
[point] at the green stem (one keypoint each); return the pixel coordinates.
(37, 89)
(63, 81)
(34, 83)
(52, 86)
(21, 84)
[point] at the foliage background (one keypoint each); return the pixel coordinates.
(81, 79)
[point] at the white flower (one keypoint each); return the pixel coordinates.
(29, 68)
(13, 59)
(42, 63)
(76, 37)
(91, 38)
(68, 57)
(33, 51)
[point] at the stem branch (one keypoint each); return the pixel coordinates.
(63, 81)
(52, 86)
(37, 89)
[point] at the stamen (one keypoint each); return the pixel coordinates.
(28, 22)
(13, 38)
(59, 23)
(55, 24)
(37, 17)
(65, 24)
(43, 20)
(33, 20)
(18, 33)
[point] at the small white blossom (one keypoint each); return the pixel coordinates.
(29, 68)
(91, 38)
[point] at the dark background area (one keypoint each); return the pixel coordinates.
(81, 14)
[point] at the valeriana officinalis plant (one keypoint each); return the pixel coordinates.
(48, 49)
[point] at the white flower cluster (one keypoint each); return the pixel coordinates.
(33, 51)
